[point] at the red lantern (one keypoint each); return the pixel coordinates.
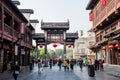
(110, 47)
(54, 45)
(69, 46)
(117, 46)
(41, 46)
(104, 2)
(91, 16)
(104, 48)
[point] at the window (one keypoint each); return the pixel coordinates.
(82, 50)
(91, 42)
(81, 44)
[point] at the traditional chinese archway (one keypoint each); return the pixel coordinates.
(55, 32)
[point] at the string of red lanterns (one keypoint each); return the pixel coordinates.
(117, 46)
(110, 47)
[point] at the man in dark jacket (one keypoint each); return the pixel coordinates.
(16, 70)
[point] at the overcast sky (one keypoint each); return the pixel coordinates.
(59, 10)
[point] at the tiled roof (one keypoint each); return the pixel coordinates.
(38, 35)
(91, 4)
(26, 11)
(15, 9)
(34, 21)
(55, 25)
(71, 35)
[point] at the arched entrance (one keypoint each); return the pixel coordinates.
(55, 32)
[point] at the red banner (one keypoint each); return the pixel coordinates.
(104, 2)
(91, 16)
(22, 28)
(16, 49)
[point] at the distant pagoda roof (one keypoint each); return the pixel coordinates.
(26, 11)
(54, 25)
(72, 35)
(38, 35)
(34, 21)
(92, 4)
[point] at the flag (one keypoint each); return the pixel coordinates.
(104, 2)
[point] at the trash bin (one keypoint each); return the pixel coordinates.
(91, 70)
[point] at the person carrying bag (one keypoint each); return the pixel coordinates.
(16, 70)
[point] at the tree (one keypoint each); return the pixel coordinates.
(52, 54)
(41, 53)
(59, 52)
(69, 53)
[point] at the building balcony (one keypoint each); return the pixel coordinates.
(111, 7)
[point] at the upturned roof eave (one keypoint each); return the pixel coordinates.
(17, 10)
(91, 4)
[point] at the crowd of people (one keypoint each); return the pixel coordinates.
(68, 64)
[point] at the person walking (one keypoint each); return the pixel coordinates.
(60, 63)
(101, 64)
(50, 63)
(90, 62)
(71, 64)
(16, 70)
(96, 64)
(80, 62)
(65, 65)
(86, 62)
(39, 66)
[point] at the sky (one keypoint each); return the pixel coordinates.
(59, 11)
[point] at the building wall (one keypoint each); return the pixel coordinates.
(106, 26)
(81, 44)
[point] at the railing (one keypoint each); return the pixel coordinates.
(108, 10)
(118, 3)
(111, 7)
(0, 25)
(16, 34)
(7, 29)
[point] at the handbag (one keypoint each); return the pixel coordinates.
(16, 72)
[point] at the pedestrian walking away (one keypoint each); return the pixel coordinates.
(65, 65)
(80, 62)
(16, 70)
(71, 64)
(39, 66)
(50, 63)
(59, 64)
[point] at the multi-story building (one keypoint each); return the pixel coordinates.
(106, 25)
(81, 44)
(15, 35)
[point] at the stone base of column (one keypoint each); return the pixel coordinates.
(1, 67)
(8, 66)
(22, 68)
